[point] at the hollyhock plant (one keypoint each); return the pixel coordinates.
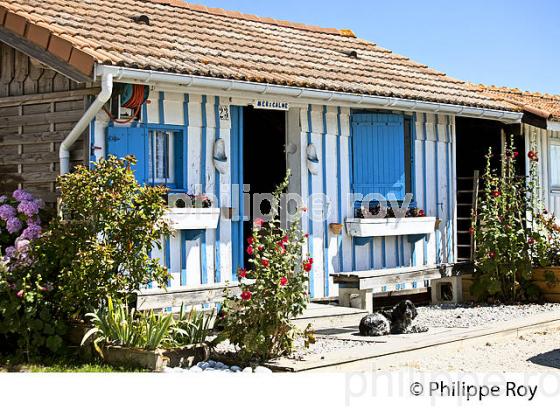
(504, 237)
(273, 290)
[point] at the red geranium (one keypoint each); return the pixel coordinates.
(246, 295)
(283, 281)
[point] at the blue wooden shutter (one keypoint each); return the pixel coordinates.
(138, 146)
(123, 141)
(378, 154)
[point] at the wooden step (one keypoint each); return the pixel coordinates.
(328, 316)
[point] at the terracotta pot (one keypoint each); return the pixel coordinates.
(336, 228)
(548, 281)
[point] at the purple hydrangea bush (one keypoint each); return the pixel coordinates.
(20, 223)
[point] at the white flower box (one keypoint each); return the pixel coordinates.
(369, 227)
(193, 218)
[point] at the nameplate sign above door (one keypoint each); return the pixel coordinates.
(270, 105)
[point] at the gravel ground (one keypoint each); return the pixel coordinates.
(477, 315)
(536, 352)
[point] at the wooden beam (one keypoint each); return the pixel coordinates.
(43, 56)
(154, 299)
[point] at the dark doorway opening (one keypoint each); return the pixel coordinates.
(474, 138)
(264, 155)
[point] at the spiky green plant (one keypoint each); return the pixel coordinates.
(191, 327)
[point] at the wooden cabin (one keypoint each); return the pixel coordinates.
(229, 101)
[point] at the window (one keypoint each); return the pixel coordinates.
(158, 151)
(161, 159)
(554, 166)
(381, 155)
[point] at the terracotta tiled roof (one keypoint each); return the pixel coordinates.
(543, 105)
(190, 39)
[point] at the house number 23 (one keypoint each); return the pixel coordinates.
(224, 112)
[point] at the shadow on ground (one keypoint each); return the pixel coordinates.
(548, 359)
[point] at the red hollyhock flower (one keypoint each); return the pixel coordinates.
(496, 194)
(280, 247)
(285, 239)
(533, 156)
(283, 281)
(265, 262)
(250, 240)
(421, 212)
(310, 260)
(531, 241)
(242, 273)
(306, 235)
(261, 247)
(250, 250)
(515, 154)
(492, 254)
(246, 295)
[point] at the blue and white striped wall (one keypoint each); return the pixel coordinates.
(328, 128)
(209, 259)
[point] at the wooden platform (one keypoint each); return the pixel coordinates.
(387, 348)
(328, 316)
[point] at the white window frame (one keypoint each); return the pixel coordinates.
(170, 157)
(554, 189)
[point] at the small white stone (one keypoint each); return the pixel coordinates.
(209, 369)
(195, 369)
(261, 369)
(168, 370)
(247, 370)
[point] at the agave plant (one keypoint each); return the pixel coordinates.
(118, 325)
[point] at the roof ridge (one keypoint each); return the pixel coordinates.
(251, 17)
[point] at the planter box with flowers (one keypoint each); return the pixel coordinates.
(191, 212)
(368, 224)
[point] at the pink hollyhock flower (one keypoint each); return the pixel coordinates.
(258, 223)
(20, 293)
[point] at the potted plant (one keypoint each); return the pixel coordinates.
(380, 221)
(194, 212)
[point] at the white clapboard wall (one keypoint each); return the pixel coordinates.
(540, 140)
(329, 129)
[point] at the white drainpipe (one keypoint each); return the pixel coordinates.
(83, 123)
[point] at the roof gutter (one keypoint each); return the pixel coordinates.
(103, 96)
(131, 75)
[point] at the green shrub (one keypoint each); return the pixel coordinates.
(273, 291)
(100, 246)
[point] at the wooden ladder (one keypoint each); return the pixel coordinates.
(467, 204)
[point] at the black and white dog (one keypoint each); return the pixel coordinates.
(396, 321)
